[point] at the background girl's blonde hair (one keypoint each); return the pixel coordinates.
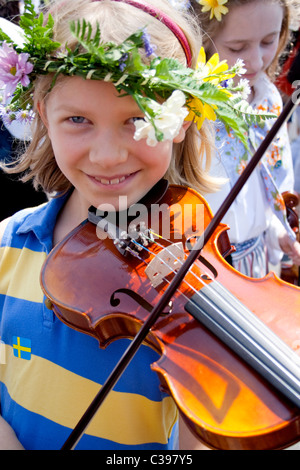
(117, 21)
(210, 27)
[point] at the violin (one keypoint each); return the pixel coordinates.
(229, 345)
(224, 401)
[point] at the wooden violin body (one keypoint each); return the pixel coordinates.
(223, 400)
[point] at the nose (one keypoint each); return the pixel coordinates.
(108, 149)
(255, 60)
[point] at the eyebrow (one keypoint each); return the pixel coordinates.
(66, 107)
(73, 110)
(230, 41)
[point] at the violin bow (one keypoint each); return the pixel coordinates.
(165, 299)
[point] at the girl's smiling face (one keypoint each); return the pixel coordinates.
(91, 130)
(251, 32)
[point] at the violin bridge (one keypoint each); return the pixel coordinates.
(168, 261)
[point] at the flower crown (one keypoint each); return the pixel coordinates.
(216, 8)
(166, 91)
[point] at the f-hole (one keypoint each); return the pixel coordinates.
(189, 245)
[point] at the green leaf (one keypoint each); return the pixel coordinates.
(4, 37)
(233, 121)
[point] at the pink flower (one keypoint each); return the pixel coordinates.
(14, 69)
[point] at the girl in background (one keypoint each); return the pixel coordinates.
(255, 31)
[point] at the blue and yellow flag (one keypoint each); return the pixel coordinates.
(22, 347)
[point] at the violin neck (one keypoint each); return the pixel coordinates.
(236, 326)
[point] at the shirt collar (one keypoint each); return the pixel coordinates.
(41, 221)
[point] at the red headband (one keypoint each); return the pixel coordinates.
(166, 21)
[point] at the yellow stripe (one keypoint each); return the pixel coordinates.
(15, 265)
(62, 396)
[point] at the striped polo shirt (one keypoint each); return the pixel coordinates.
(50, 373)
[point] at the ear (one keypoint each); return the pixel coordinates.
(42, 112)
(181, 135)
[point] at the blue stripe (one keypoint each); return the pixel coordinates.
(91, 364)
(47, 435)
(66, 348)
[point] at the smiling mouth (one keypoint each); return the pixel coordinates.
(111, 181)
(251, 74)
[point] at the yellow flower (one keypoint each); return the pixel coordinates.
(216, 8)
(213, 70)
(203, 111)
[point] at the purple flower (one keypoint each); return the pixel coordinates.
(123, 59)
(8, 116)
(14, 69)
(147, 45)
(25, 115)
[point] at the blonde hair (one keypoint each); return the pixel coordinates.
(117, 21)
(210, 27)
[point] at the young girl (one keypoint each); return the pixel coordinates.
(98, 135)
(255, 31)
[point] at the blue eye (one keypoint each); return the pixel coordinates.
(77, 119)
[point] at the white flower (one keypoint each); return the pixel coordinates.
(239, 67)
(145, 130)
(168, 120)
(244, 87)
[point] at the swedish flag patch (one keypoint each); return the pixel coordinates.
(22, 347)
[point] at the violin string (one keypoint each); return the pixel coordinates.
(208, 286)
(162, 261)
(196, 292)
(168, 266)
(178, 260)
(223, 294)
(193, 273)
(216, 293)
